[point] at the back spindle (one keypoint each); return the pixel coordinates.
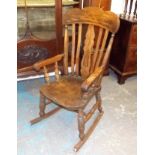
(101, 53)
(107, 53)
(96, 49)
(78, 49)
(66, 50)
(73, 49)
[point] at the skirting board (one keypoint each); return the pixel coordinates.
(38, 76)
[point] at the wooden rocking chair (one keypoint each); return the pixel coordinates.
(73, 89)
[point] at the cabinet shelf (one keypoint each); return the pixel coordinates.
(44, 3)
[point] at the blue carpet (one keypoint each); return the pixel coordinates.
(38, 139)
(58, 134)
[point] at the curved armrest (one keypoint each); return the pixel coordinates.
(48, 61)
(29, 68)
(91, 79)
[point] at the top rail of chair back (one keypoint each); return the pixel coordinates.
(93, 15)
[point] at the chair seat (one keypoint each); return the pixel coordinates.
(66, 92)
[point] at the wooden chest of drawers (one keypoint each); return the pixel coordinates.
(123, 59)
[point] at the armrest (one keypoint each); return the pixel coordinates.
(48, 61)
(91, 79)
(29, 68)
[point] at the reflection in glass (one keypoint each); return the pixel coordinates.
(42, 22)
(21, 23)
(41, 17)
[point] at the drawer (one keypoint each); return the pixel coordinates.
(131, 59)
(133, 36)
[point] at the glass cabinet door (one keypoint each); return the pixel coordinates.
(41, 17)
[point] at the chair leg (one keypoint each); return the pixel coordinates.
(42, 114)
(81, 123)
(99, 101)
(83, 118)
(42, 105)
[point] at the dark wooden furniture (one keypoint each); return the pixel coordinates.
(74, 89)
(123, 59)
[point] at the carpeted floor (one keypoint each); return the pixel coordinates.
(114, 135)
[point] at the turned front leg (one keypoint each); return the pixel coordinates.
(42, 105)
(81, 123)
(99, 101)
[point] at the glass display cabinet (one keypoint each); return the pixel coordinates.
(41, 17)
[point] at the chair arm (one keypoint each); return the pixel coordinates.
(48, 61)
(91, 79)
(29, 68)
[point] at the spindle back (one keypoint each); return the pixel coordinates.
(92, 31)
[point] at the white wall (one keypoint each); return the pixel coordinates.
(117, 6)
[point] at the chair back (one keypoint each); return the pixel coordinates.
(88, 38)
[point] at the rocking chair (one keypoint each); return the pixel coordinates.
(83, 67)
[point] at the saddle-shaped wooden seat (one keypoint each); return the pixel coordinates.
(94, 29)
(69, 88)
